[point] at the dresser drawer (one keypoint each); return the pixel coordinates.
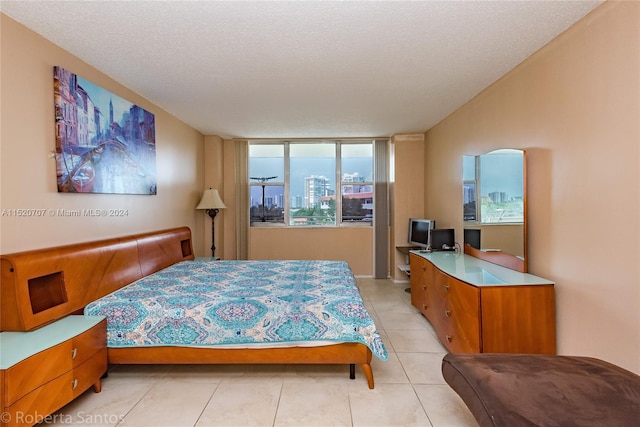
(460, 339)
(36, 370)
(461, 318)
(435, 298)
(418, 282)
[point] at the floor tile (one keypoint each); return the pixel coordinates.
(394, 304)
(171, 403)
(107, 408)
(248, 403)
(386, 406)
(444, 407)
(388, 371)
(423, 368)
(314, 405)
(391, 320)
(412, 341)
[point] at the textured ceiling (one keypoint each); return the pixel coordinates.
(302, 69)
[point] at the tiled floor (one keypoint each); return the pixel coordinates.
(409, 388)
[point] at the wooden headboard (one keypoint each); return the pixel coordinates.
(40, 286)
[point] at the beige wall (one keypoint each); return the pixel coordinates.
(575, 107)
(352, 244)
(213, 178)
(406, 195)
(231, 199)
(28, 175)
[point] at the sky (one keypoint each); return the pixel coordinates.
(302, 167)
(503, 173)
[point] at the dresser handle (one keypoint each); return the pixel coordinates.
(74, 353)
(74, 384)
(449, 338)
(446, 288)
(424, 288)
(447, 313)
(424, 306)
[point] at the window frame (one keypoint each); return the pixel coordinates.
(252, 183)
(338, 143)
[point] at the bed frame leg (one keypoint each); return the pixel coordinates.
(366, 368)
(352, 371)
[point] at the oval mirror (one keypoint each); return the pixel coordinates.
(494, 207)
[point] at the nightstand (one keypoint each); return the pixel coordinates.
(43, 370)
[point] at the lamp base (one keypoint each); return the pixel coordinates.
(212, 213)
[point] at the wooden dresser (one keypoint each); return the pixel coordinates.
(43, 370)
(479, 307)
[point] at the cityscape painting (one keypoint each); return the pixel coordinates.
(104, 144)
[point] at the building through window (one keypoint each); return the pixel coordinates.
(311, 183)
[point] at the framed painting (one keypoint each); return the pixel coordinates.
(104, 144)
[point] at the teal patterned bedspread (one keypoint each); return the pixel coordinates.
(209, 303)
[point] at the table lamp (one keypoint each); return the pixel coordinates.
(211, 203)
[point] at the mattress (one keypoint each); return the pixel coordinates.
(233, 304)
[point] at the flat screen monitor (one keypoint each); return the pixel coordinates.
(443, 239)
(472, 237)
(420, 232)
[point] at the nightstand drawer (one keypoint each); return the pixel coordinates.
(36, 370)
(89, 343)
(42, 401)
(56, 393)
(89, 373)
(48, 364)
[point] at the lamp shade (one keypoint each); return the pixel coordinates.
(211, 200)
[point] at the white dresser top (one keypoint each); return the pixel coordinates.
(478, 272)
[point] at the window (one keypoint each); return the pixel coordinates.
(266, 174)
(311, 183)
(470, 210)
(357, 182)
(493, 187)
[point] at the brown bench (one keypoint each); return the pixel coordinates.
(542, 390)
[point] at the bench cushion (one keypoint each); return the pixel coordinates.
(543, 390)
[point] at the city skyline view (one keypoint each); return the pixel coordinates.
(303, 167)
(312, 181)
(494, 192)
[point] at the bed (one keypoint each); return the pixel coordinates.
(244, 312)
